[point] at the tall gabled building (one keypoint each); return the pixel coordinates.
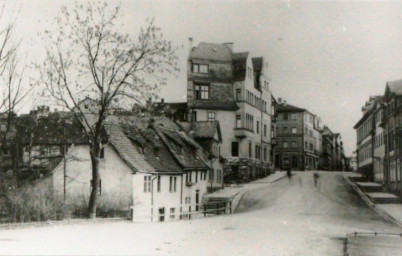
(367, 131)
(233, 88)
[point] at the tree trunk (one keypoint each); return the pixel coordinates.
(95, 184)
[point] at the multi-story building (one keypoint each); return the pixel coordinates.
(233, 88)
(327, 148)
(378, 143)
(297, 132)
(392, 125)
(366, 132)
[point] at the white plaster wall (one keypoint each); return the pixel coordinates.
(115, 175)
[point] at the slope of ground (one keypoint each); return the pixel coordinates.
(289, 217)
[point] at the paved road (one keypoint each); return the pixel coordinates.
(289, 217)
(321, 214)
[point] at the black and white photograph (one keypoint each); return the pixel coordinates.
(202, 128)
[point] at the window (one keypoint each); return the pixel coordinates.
(285, 144)
(196, 176)
(294, 144)
(147, 183)
(172, 213)
(285, 116)
(202, 92)
(238, 95)
(285, 129)
(238, 121)
(250, 149)
(235, 148)
(159, 183)
(258, 127)
(188, 177)
(306, 130)
(265, 154)
(200, 68)
(294, 130)
(187, 200)
(306, 145)
(172, 183)
(294, 116)
(99, 187)
(211, 116)
(265, 130)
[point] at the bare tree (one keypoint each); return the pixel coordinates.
(87, 56)
(12, 88)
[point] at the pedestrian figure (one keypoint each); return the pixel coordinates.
(289, 173)
(315, 178)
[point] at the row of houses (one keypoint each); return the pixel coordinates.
(379, 144)
(149, 165)
(303, 143)
(162, 159)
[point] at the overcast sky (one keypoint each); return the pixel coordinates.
(328, 57)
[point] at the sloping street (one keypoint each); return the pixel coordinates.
(288, 217)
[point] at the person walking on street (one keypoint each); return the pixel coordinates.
(289, 173)
(315, 179)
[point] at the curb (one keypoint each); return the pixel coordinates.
(370, 204)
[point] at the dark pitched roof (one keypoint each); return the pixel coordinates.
(288, 108)
(211, 51)
(164, 140)
(257, 64)
(394, 87)
(374, 100)
(126, 149)
(207, 130)
(239, 65)
(185, 155)
(155, 151)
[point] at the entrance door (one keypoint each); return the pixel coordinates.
(162, 214)
(197, 200)
(294, 161)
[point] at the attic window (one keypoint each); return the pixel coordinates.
(200, 68)
(86, 106)
(201, 91)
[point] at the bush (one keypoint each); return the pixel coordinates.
(33, 203)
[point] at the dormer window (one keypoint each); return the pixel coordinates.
(201, 91)
(200, 68)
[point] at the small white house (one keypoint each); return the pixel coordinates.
(153, 172)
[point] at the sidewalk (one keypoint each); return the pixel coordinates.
(235, 192)
(390, 212)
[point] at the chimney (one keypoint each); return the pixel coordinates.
(280, 100)
(190, 45)
(229, 45)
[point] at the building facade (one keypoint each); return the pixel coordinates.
(392, 125)
(298, 133)
(233, 88)
(366, 130)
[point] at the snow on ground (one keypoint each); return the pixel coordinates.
(289, 217)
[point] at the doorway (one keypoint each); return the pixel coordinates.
(162, 214)
(197, 200)
(294, 161)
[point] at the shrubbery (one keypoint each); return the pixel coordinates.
(30, 203)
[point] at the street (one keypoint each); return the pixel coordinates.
(288, 217)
